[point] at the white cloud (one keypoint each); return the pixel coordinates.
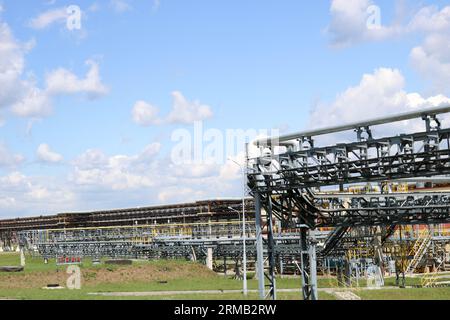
(195, 170)
(119, 172)
(7, 202)
(180, 194)
(36, 103)
(231, 169)
(183, 112)
(33, 195)
(45, 154)
(151, 177)
(99, 181)
(39, 193)
(91, 159)
(431, 19)
(23, 96)
(62, 81)
(7, 158)
(11, 67)
(431, 59)
(13, 179)
(148, 153)
(94, 175)
(48, 18)
(349, 23)
(187, 112)
(145, 114)
(379, 94)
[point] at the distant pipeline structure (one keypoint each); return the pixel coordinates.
(218, 210)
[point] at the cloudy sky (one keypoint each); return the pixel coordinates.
(88, 107)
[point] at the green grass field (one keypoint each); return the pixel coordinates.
(165, 277)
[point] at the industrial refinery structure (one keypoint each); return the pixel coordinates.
(357, 209)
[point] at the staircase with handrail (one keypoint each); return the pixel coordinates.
(419, 250)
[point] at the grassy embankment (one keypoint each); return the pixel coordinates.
(159, 276)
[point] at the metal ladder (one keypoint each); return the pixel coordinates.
(430, 280)
(419, 250)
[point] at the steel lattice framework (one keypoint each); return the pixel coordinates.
(198, 212)
(420, 154)
(350, 210)
(282, 177)
(190, 241)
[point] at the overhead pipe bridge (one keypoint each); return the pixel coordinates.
(283, 176)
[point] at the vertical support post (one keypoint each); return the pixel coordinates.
(209, 258)
(22, 257)
(313, 270)
(328, 267)
(210, 228)
(271, 251)
(378, 248)
(225, 264)
(308, 262)
(244, 231)
(347, 272)
(259, 248)
(280, 259)
(303, 263)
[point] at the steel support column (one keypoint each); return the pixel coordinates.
(259, 247)
(271, 252)
(313, 269)
(308, 265)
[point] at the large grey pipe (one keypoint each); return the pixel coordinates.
(368, 123)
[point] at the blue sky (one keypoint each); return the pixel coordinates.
(77, 143)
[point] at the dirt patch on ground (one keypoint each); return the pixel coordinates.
(34, 280)
(114, 274)
(146, 273)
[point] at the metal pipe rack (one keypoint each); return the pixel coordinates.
(282, 177)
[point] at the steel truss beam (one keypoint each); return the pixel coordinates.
(346, 210)
(418, 155)
(202, 211)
